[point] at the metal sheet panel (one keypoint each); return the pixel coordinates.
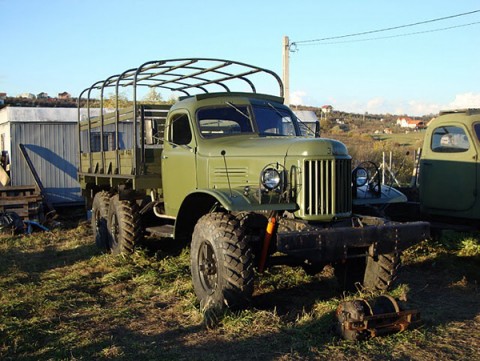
(52, 147)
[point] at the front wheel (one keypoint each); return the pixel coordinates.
(221, 262)
(381, 272)
(124, 227)
(371, 273)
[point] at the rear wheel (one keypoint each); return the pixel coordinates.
(370, 273)
(124, 226)
(221, 262)
(99, 219)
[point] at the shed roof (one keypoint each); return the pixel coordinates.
(34, 114)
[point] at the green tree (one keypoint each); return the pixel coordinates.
(111, 101)
(153, 97)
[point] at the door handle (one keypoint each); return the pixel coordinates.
(164, 157)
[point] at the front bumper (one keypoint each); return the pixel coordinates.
(334, 244)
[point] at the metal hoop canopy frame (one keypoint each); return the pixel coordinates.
(189, 76)
(185, 75)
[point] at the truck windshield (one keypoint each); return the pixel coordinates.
(240, 119)
(274, 121)
(449, 139)
(221, 121)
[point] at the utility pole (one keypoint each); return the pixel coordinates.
(286, 69)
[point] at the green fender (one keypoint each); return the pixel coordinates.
(236, 201)
(203, 201)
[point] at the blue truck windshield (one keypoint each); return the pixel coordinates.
(235, 119)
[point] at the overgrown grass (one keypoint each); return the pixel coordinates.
(60, 298)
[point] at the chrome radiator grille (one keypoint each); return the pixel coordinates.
(327, 187)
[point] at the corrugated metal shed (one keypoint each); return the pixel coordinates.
(50, 139)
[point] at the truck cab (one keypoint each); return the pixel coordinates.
(449, 179)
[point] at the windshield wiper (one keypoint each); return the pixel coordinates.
(238, 110)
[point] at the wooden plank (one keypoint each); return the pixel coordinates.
(25, 201)
(37, 179)
(19, 189)
(9, 202)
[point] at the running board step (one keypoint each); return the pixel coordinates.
(165, 231)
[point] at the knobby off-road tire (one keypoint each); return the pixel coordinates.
(100, 205)
(381, 272)
(370, 273)
(254, 226)
(221, 262)
(124, 226)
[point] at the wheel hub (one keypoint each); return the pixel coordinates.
(207, 266)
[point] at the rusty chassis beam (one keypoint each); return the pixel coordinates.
(332, 244)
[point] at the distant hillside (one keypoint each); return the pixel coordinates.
(338, 121)
(40, 102)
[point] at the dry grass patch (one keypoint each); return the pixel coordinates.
(60, 298)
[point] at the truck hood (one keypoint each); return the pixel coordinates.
(242, 146)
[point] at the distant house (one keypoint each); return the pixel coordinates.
(406, 122)
(42, 95)
(64, 95)
(327, 109)
(27, 96)
(3, 96)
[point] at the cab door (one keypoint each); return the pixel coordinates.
(178, 162)
(448, 176)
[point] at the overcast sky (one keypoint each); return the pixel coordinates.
(66, 45)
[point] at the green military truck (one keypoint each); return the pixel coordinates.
(226, 170)
(449, 176)
(445, 188)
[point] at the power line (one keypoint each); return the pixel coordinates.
(296, 43)
(394, 36)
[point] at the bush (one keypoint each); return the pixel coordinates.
(469, 248)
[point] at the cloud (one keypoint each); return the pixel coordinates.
(383, 105)
(415, 107)
(465, 100)
(297, 97)
(461, 101)
(375, 105)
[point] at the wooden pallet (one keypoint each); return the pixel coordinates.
(25, 201)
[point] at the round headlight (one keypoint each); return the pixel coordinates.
(360, 176)
(271, 178)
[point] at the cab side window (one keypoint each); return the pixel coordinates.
(477, 130)
(180, 132)
(450, 139)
